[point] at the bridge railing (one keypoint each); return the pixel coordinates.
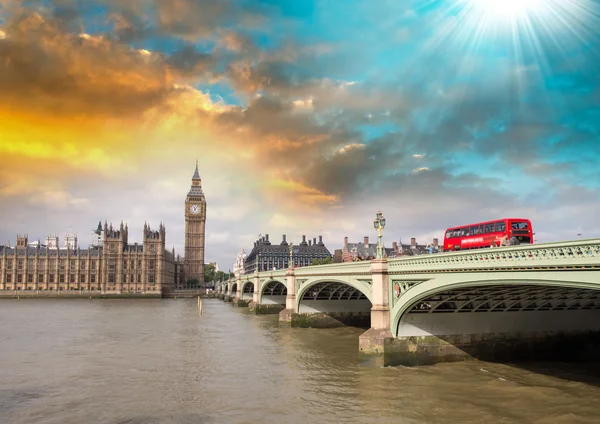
(363, 267)
(278, 274)
(571, 253)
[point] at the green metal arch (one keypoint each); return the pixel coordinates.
(266, 283)
(354, 283)
(580, 280)
(244, 284)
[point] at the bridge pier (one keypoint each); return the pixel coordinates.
(372, 343)
(238, 299)
(290, 299)
(503, 347)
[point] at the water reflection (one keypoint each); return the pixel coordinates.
(158, 361)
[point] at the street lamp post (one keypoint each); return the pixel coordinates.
(379, 223)
(291, 263)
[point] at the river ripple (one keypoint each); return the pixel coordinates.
(157, 361)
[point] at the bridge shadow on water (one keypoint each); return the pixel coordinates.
(587, 372)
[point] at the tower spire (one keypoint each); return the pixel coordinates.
(196, 174)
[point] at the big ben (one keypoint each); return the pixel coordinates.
(195, 219)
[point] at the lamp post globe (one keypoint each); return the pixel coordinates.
(379, 224)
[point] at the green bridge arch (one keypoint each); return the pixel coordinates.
(436, 285)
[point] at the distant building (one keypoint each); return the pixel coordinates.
(216, 265)
(238, 266)
(337, 256)
(117, 267)
(366, 251)
(411, 249)
(52, 241)
(269, 256)
(97, 236)
(71, 241)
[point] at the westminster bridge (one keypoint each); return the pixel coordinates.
(496, 303)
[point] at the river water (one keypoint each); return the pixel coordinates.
(157, 361)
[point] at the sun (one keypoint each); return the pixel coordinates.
(511, 9)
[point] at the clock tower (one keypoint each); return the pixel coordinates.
(195, 218)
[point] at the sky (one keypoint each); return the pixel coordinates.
(305, 116)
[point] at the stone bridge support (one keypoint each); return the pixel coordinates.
(239, 300)
(290, 300)
(228, 293)
(254, 305)
(372, 342)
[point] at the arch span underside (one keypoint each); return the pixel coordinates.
(333, 297)
(446, 319)
(233, 290)
(273, 293)
(334, 302)
(502, 309)
(247, 290)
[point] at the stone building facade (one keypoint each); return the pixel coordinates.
(277, 256)
(115, 268)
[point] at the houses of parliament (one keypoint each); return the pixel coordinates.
(111, 264)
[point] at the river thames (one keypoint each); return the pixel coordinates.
(157, 361)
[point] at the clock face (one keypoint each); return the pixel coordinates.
(195, 209)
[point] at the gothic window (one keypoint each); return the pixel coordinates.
(93, 264)
(40, 278)
(61, 278)
(82, 265)
(9, 278)
(93, 278)
(30, 278)
(132, 264)
(19, 278)
(150, 278)
(72, 264)
(31, 264)
(42, 264)
(51, 278)
(125, 264)
(111, 278)
(82, 278)
(9, 263)
(20, 264)
(63, 264)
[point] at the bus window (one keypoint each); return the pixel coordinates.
(449, 234)
(519, 225)
(464, 232)
(488, 228)
(475, 230)
(456, 233)
(500, 227)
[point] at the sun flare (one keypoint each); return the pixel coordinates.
(509, 8)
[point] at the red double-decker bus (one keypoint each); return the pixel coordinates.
(488, 234)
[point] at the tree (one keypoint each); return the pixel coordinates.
(209, 273)
(193, 284)
(322, 261)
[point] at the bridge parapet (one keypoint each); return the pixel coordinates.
(277, 274)
(354, 268)
(572, 254)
